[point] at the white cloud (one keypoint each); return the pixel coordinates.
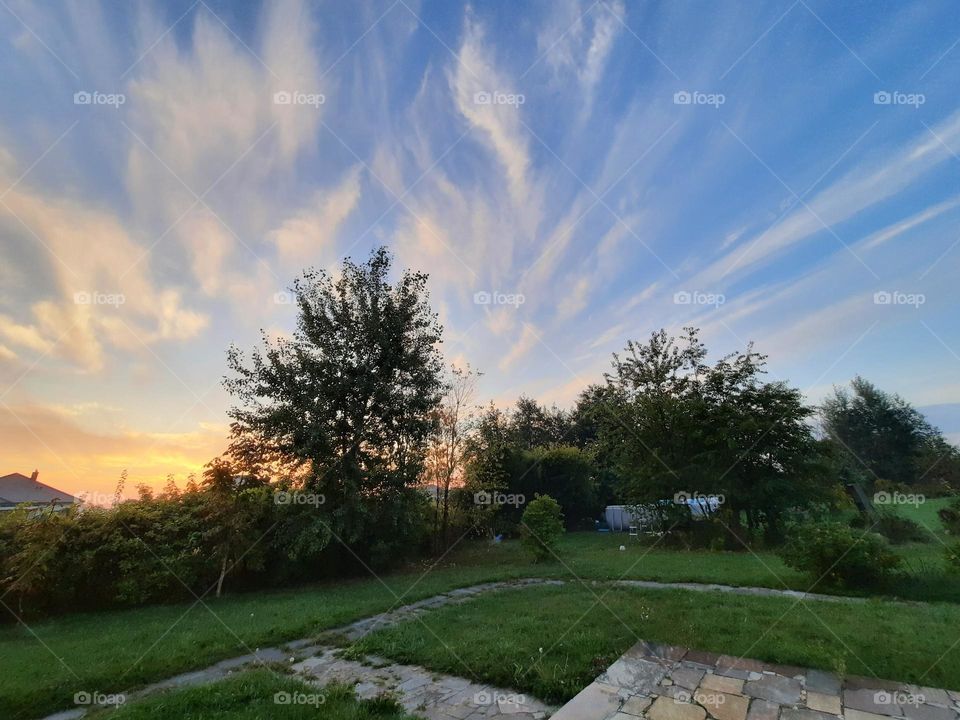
(303, 238)
(475, 74)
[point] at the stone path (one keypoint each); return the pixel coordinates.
(310, 648)
(662, 682)
(421, 692)
(736, 590)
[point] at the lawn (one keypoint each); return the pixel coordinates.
(252, 696)
(552, 641)
(118, 650)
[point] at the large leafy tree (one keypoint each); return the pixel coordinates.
(677, 424)
(885, 438)
(349, 398)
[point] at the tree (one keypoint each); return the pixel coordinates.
(350, 398)
(456, 418)
(542, 526)
(886, 436)
(677, 424)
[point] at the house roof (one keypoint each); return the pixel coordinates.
(16, 488)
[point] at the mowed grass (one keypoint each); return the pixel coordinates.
(552, 641)
(250, 696)
(46, 663)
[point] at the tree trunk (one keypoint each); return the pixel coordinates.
(223, 574)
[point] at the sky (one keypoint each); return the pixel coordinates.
(571, 174)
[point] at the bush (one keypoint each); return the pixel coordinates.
(950, 517)
(837, 555)
(951, 553)
(542, 526)
(896, 529)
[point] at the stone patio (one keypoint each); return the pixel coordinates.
(662, 682)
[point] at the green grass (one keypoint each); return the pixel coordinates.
(119, 650)
(552, 641)
(251, 696)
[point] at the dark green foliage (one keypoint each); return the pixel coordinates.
(348, 402)
(885, 438)
(675, 424)
(896, 529)
(951, 555)
(950, 517)
(542, 526)
(840, 556)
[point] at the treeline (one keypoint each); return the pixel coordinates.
(666, 425)
(352, 447)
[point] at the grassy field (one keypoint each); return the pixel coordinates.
(118, 650)
(251, 696)
(552, 641)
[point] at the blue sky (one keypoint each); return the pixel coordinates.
(786, 173)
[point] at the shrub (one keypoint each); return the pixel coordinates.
(951, 553)
(950, 517)
(896, 529)
(542, 526)
(837, 555)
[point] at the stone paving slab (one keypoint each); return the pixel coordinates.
(670, 683)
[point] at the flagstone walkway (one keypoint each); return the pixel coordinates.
(661, 682)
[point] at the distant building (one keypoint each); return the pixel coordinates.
(17, 489)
